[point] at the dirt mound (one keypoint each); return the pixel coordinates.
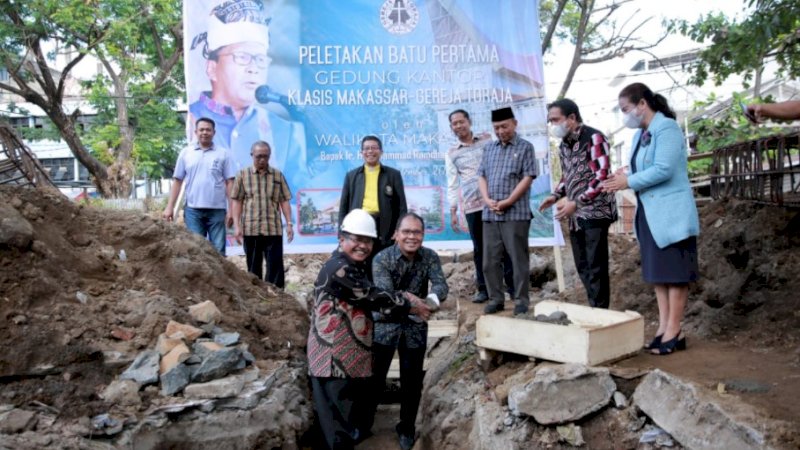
(64, 292)
(749, 265)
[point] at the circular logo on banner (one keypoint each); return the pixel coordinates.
(399, 16)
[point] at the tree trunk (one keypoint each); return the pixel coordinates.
(551, 28)
(757, 84)
(586, 11)
(66, 126)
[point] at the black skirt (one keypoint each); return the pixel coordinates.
(673, 264)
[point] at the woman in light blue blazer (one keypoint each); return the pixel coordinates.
(666, 216)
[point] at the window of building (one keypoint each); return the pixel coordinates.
(59, 169)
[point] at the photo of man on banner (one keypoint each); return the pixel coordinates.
(235, 45)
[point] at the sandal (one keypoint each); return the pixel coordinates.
(670, 346)
(654, 343)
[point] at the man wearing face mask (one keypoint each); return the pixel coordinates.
(580, 198)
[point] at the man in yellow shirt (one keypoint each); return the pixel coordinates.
(377, 189)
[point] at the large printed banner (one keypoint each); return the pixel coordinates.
(313, 77)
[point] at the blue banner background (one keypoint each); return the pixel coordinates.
(448, 54)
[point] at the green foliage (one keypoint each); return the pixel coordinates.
(772, 30)
(138, 42)
(307, 214)
(727, 128)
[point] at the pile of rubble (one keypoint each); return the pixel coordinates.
(88, 294)
(175, 365)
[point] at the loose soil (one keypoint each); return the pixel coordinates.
(743, 324)
(58, 351)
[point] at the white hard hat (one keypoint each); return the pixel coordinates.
(359, 222)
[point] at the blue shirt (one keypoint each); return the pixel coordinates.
(504, 166)
(204, 172)
(286, 138)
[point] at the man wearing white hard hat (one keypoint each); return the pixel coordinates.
(415, 271)
(340, 336)
(235, 44)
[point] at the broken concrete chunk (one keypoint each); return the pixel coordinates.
(696, 418)
(177, 355)
(189, 332)
(217, 364)
(122, 392)
(563, 393)
(206, 312)
(175, 380)
(165, 344)
(220, 388)
(17, 421)
(144, 369)
(226, 339)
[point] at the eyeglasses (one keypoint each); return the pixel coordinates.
(244, 59)
(371, 147)
(260, 156)
(359, 239)
(415, 233)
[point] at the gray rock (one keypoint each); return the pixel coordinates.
(619, 400)
(17, 421)
(248, 356)
(144, 369)
(571, 434)
(226, 339)
(15, 231)
(105, 424)
(217, 364)
(486, 422)
(745, 385)
(247, 399)
(200, 350)
(226, 387)
(193, 359)
(241, 364)
(175, 380)
(563, 393)
(651, 434)
(698, 419)
(122, 392)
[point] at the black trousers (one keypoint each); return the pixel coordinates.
(511, 237)
(475, 226)
(259, 248)
(336, 403)
(377, 245)
(411, 377)
(590, 250)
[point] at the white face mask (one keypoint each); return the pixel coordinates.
(631, 120)
(560, 130)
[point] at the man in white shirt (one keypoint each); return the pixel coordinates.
(208, 172)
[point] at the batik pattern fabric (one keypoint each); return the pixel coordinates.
(585, 165)
(340, 335)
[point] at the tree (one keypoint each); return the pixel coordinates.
(772, 30)
(594, 31)
(139, 44)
